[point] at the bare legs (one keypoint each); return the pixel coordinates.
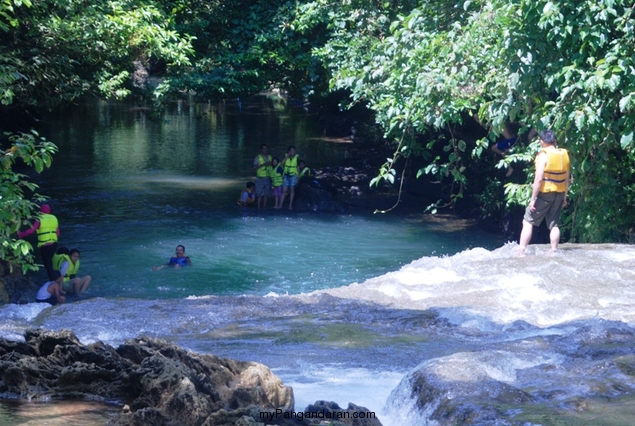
(291, 190)
(525, 237)
(79, 285)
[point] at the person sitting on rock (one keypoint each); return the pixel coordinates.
(67, 263)
(303, 170)
(52, 291)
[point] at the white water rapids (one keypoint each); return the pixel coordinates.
(483, 336)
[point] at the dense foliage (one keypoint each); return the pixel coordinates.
(431, 71)
(17, 195)
(566, 65)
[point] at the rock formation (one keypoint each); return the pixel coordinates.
(156, 383)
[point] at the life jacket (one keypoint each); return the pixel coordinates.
(58, 259)
(263, 172)
(555, 178)
(250, 198)
(276, 176)
(71, 271)
(305, 172)
(181, 261)
(291, 166)
(47, 232)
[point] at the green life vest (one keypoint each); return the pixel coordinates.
(305, 172)
(291, 166)
(72, 269)
(276, 176)
(47, 232)
(263, 172)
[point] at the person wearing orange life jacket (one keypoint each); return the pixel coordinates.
(48, 232)
(549, 194)
(262, 164)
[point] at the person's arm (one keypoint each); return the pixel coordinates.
(541, 164)
(31, 230)
(57, 290)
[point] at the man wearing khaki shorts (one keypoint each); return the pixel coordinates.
(549, 194)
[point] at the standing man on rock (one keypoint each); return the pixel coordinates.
(48, 232)
(262, 164)
(549, 193)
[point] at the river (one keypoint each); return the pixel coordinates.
(342, 307)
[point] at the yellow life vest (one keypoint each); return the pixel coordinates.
(276, 176)
(47, 232)
(555, 178)
(72, 269)
(263, 172)
(305, 172)
(291, 166)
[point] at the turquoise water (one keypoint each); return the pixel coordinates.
(128, 189)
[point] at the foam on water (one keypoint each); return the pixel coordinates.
(478, 316)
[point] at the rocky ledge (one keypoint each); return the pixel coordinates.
(157, 383)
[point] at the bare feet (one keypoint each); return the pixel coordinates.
(510, 170)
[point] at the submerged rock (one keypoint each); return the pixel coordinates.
(157, 383)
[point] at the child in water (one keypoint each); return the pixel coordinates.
(276, 181)
(247, 197)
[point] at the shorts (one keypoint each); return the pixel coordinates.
(290, 180)
(506, 144)
(263, 186)
(548, 206)
(52, 300)
(277, 191)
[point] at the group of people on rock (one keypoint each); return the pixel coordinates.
(274, 177)
(61, 264)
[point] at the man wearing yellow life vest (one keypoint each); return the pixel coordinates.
(549, 193)
(290, 178)
(67, 263)
(48, 232)
(262, 164)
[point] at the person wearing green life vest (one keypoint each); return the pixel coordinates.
(277, 173)
(262, 164)
(48, 232)
(303, 170)
(67, 263)
(290, 178)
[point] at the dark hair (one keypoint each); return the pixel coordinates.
(275, 158)
(290, 146)
(250, 184)
(73, 251)
(262, 145)
(182, 246)
(62, 250)
(547, 136)
(56, 275)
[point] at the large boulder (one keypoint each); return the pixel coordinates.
(159, 383)
(162, 383)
